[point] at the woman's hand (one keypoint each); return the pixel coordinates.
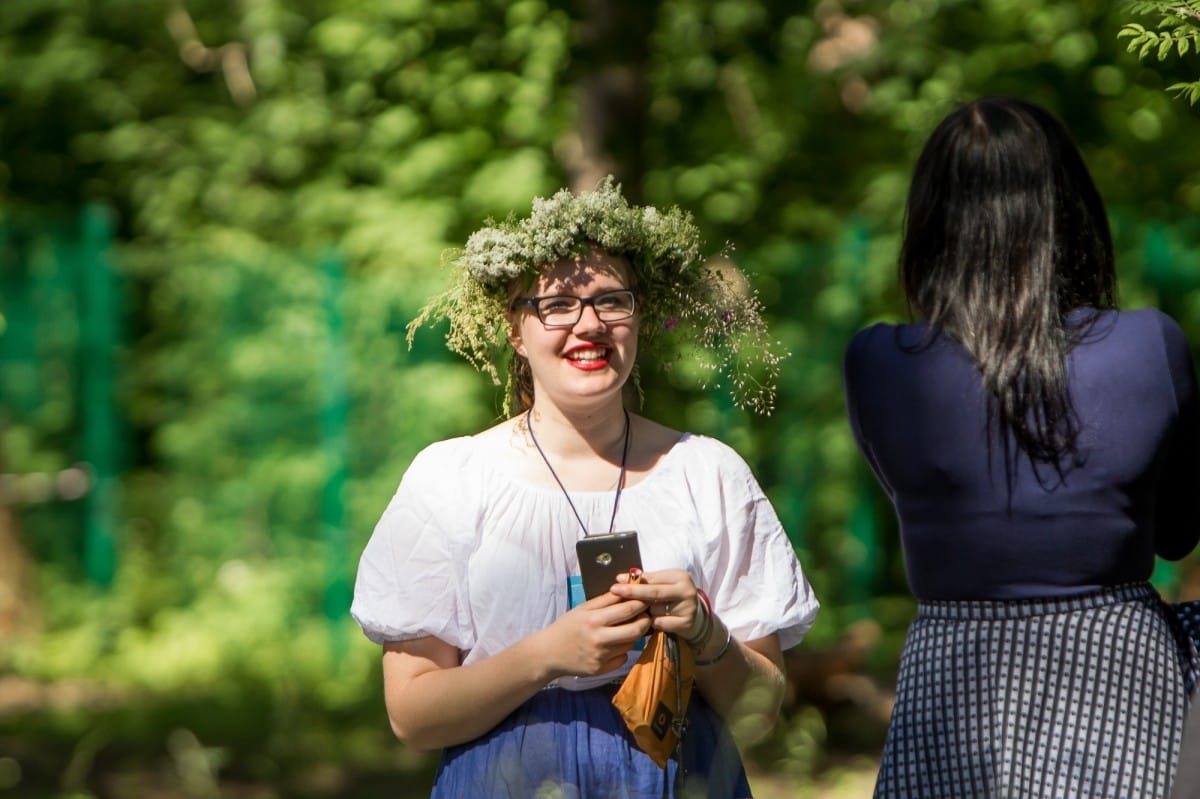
(672, 598)
(595, 637)
(725, 667)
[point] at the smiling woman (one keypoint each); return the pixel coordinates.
(471, 581)
(584, 319)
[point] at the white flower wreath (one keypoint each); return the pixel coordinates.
(689, 306)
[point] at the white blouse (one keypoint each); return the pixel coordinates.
(466, 553)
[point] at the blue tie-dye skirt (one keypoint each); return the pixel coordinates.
(574, 744)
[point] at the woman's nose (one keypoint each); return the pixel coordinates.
(589, 319)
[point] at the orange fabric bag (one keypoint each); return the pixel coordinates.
(654, 697)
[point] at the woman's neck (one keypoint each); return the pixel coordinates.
(577, 436)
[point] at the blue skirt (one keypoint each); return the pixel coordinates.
(574, 744)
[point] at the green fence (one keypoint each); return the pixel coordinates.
(66, 312)
(60, 329)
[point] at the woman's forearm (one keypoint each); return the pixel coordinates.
(443, 706)
(434, 702)
(747, 680)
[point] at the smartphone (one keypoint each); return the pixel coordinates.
(603, 557)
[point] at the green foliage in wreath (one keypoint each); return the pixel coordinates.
(689, 305)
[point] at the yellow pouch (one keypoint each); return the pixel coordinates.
(653, 698)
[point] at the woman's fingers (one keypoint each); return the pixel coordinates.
(668, 592)
(674, 601)
(615, 609)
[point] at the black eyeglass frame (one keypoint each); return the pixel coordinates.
(533, 302)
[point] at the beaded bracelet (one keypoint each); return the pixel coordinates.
(721, 653)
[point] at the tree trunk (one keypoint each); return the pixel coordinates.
(610, 74)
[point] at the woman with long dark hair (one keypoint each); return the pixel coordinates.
(1040, 449)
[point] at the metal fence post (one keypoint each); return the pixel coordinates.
(334, 413)
(99, 311)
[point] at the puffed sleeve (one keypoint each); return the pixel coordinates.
(1177, 509)
(411, 579)
(755, 580)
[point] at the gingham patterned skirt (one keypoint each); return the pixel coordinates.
(1050, 699)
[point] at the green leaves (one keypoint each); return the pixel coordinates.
(1146, 41)
(388, 130)
(1189, 91)
(1176, 33)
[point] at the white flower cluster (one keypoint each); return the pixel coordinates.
(563, 225)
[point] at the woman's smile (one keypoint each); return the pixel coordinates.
(588, 357)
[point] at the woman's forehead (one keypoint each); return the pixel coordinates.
(593, 267)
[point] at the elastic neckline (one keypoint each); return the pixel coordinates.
(620, 478)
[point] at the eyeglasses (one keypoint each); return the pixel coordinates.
(565, 310)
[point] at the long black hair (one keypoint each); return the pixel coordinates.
(1005, 234)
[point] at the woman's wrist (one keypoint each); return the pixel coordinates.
(700, 639)
(707, 647)
(718, 646)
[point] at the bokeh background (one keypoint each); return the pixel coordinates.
(218, 216)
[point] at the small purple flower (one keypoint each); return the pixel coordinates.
(727, 317)
(670, 324)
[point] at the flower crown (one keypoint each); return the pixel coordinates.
(689, 307)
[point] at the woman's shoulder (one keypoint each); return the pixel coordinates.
(1142, 327)
(1168, 336)
(659, 450)
(863, 343)
(463, 449)
(1148, 318)
(453, 478)
(442, 463)
(892, 336)
(874, 333)
(1145, 345)
(450, 450)
(887, 341)
(1111, 317)
(1152, 319)
(703, 445)
(699, 456)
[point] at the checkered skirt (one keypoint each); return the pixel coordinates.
(1056, 699)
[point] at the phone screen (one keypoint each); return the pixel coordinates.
(603, 557)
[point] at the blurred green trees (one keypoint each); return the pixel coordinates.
(285, 177)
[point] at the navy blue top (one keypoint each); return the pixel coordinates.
(918, 412)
